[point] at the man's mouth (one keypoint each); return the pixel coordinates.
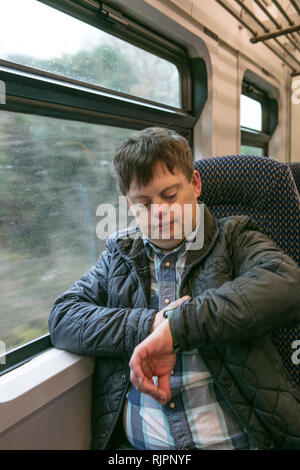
(165, 225)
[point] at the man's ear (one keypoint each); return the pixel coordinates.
(196, 182)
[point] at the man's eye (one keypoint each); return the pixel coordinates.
(144, 204)
(171, 196)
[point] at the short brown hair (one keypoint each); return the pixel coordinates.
(137, 156)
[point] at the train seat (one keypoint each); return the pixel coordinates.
(263, 189)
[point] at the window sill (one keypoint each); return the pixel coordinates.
(32, 385)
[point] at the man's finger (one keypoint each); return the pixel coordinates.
(140, 375)
(177, 302)
(181, 300)
(164, 387)
(144, 385)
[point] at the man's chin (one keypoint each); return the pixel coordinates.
(166, 238)
(166, 244)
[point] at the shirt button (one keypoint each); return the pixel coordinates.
(167, 264)
(167, 301)
(172, 372)
(172, 404)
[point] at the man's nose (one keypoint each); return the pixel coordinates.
(160, 209)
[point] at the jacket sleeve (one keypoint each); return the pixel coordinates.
(81, 323)
(264, 295)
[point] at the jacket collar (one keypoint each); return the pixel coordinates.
(197, 251)
(196, 255)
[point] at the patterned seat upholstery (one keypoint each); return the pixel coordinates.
(263, 189)
(295, 169)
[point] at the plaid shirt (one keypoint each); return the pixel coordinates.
(197, 417)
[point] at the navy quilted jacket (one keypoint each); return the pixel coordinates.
(242, 286)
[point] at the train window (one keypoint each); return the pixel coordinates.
(252, 150)
(69, 102)
(254, 120)
(54, 174)
(251, 113)
(71, 48)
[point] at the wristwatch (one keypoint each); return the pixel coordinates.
(169, 314)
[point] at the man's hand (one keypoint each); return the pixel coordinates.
(159, 317)
(154, 357)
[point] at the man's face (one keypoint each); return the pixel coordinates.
(166, 208)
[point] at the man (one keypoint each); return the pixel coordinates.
(188, 302)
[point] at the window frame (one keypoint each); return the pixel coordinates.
(120, 25)
(149, 41)
(19, 356)
(41, 93)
